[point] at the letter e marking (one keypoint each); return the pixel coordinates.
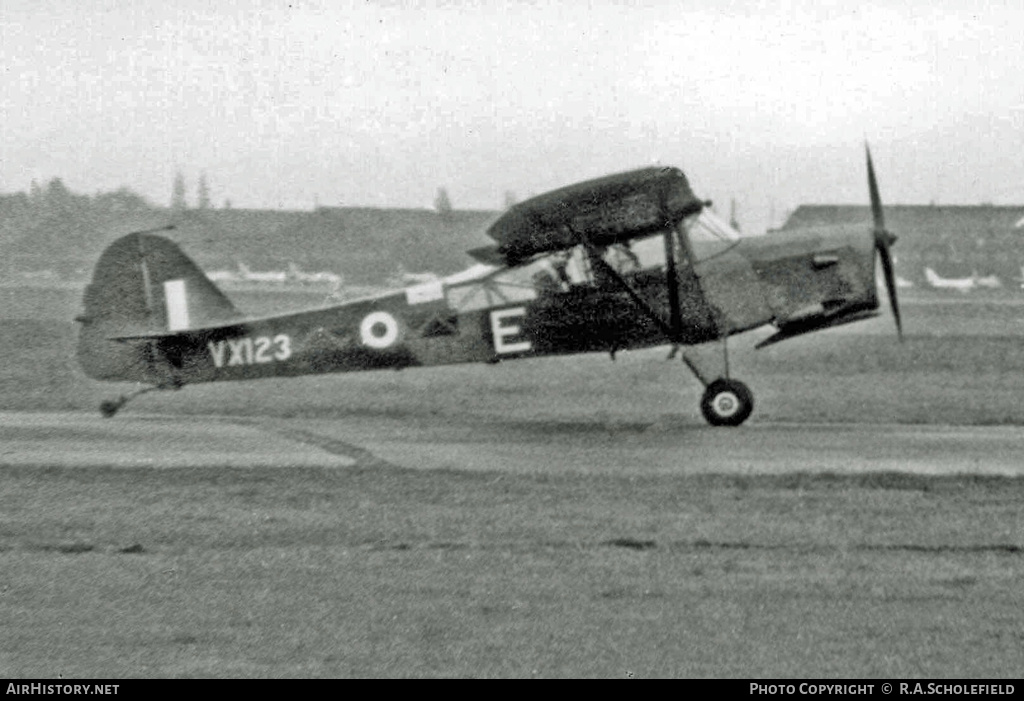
(503, 331)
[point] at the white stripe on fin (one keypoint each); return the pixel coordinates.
(177, 305)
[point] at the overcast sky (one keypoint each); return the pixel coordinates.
(284, 103)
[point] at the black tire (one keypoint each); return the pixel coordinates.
(727, 403)
(109, 408)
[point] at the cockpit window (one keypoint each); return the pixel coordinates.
(502, 287)
(565, 270)
(550, 274)
(649, 251)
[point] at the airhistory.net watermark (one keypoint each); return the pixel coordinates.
(61, 689)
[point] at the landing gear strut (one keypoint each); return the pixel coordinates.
(726, 402)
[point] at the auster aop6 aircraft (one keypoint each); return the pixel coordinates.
(625, 261)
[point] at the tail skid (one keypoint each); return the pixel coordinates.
(110, 407)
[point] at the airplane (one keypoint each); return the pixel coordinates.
(404, 278)
(964, 284)
(901, 284)
(274, 276)
(319, 278)
(626, 261)
(988, 282)
(224, 276)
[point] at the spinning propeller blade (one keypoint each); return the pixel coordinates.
(883, 242)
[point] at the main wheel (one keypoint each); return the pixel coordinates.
(727, 403)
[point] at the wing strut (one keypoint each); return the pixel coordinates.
(672, 280)
(669, 328)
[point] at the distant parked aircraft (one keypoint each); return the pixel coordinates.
(404, 278)
(963, 284)
(295, 274)
(990, 282)
(38, 275)
(901, 283)
(223, 276)
(276, 276)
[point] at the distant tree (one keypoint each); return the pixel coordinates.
(15, 213)
(121, 200)
(58, 197)
(227, 203)
(510, 199)
(204, 193)
(442, 204)
(57, 190)
(178, 203)
(35, 192)
(16, 201)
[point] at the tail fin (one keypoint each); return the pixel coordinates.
(143, 285)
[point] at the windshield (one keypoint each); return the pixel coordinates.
(709, 235)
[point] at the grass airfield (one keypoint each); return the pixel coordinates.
(382, 568)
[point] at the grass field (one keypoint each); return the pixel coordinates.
(378, 570)
(388, 572)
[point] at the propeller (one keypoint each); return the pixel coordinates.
(883, 242)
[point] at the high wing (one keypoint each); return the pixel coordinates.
(610, 210)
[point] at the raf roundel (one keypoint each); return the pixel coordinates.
(378, 330)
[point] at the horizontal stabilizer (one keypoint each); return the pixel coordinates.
(222, 329)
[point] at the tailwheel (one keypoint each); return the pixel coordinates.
(111, 407)
(727, 403)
